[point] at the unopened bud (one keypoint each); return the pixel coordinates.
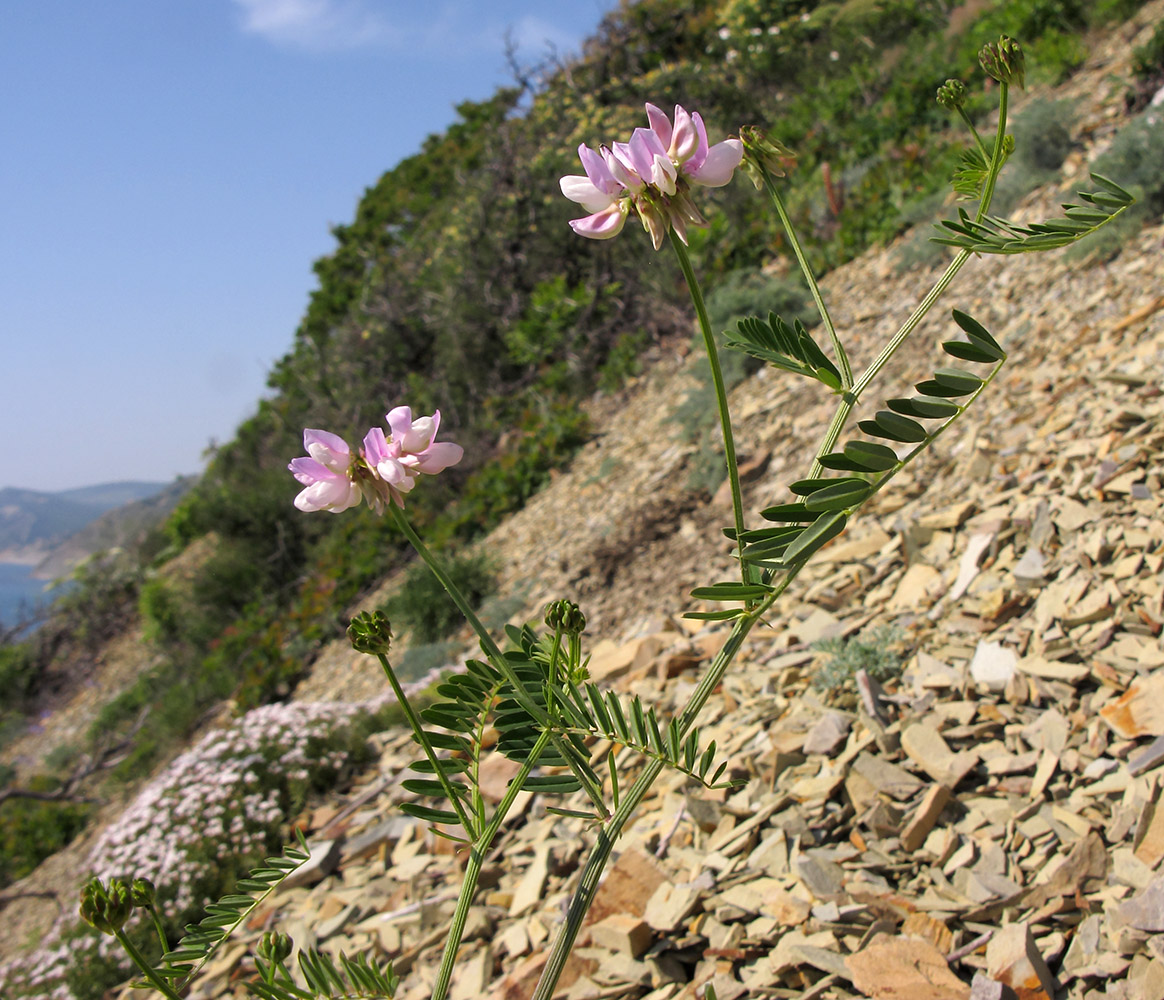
(274, 947)
(762, 150)
(952, 95)
(142, 892)
(565, 616)
(107, 909)
(370, 632)
(1003, 61)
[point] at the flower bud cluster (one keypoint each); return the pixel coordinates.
(106, 907)
(762, 151)
(565, 617)
(386, 467)
(1003, 60)
(952, 95)
(651, 176)
(370, 632)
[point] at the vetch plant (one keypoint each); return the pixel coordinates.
(534, 693)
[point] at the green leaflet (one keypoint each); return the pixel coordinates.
(790, 348)
(994, 235)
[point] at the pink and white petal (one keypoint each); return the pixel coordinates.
(330, 449)
(377, 447)
(308, 470)
(391, 471)
(597, 171)
(400, 420)
(438, 457)
(601, 225)
(722, 160)
(583, 191)
(700, 154)
(685, 140)
(660, 124)
(621, 171)
(663, 174)
(419, 436)
(644, 147)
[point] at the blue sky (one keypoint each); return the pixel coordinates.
(168, 173)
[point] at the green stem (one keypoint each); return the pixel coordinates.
(417, 726)
(851, 398)
(630, 800)
(997, 160)
(809, 277)
(156, 981)
(977, 138)
(473, 865)
(159, 929)
(725, 420)
(497, 658)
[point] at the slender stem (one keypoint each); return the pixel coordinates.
(997, 160)
(426, 744)
(473, 865)
(147, 970)
(159, 929)
(630, 800)
(536, 712)
(982, 151)
(725, 420)
(809, 277)
(851, 398)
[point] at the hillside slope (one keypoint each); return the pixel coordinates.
(1047, 462)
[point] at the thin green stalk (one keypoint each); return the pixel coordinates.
(536, 712)
(982, 151)
(473, 865)
(630, 800)
(809, 277)
(159, 929)
(147, 970)
(851, 398)
(725, 420)
(417, 726)
(997, 160)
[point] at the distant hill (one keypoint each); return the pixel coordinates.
(118, 527)
(33, 522)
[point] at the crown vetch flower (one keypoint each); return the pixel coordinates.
(386, 468)
(651, 176)
(326, 474)
(412, 449)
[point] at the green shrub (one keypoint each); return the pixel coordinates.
(1148, 59)
(1133, 160)
(622, 363)
(32, 830)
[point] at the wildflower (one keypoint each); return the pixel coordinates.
(650, 175)
(326, 474)
(411, 450)
(385, 469)
(1003, 61)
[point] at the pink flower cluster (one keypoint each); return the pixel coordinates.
(650, 175)
(386, 468)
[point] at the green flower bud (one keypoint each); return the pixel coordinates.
(274, 947)
(565, 616)
(952, 95)
(1003, 61)
(142, 892)
(107, 909)
(370, 632)
(761, 150)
